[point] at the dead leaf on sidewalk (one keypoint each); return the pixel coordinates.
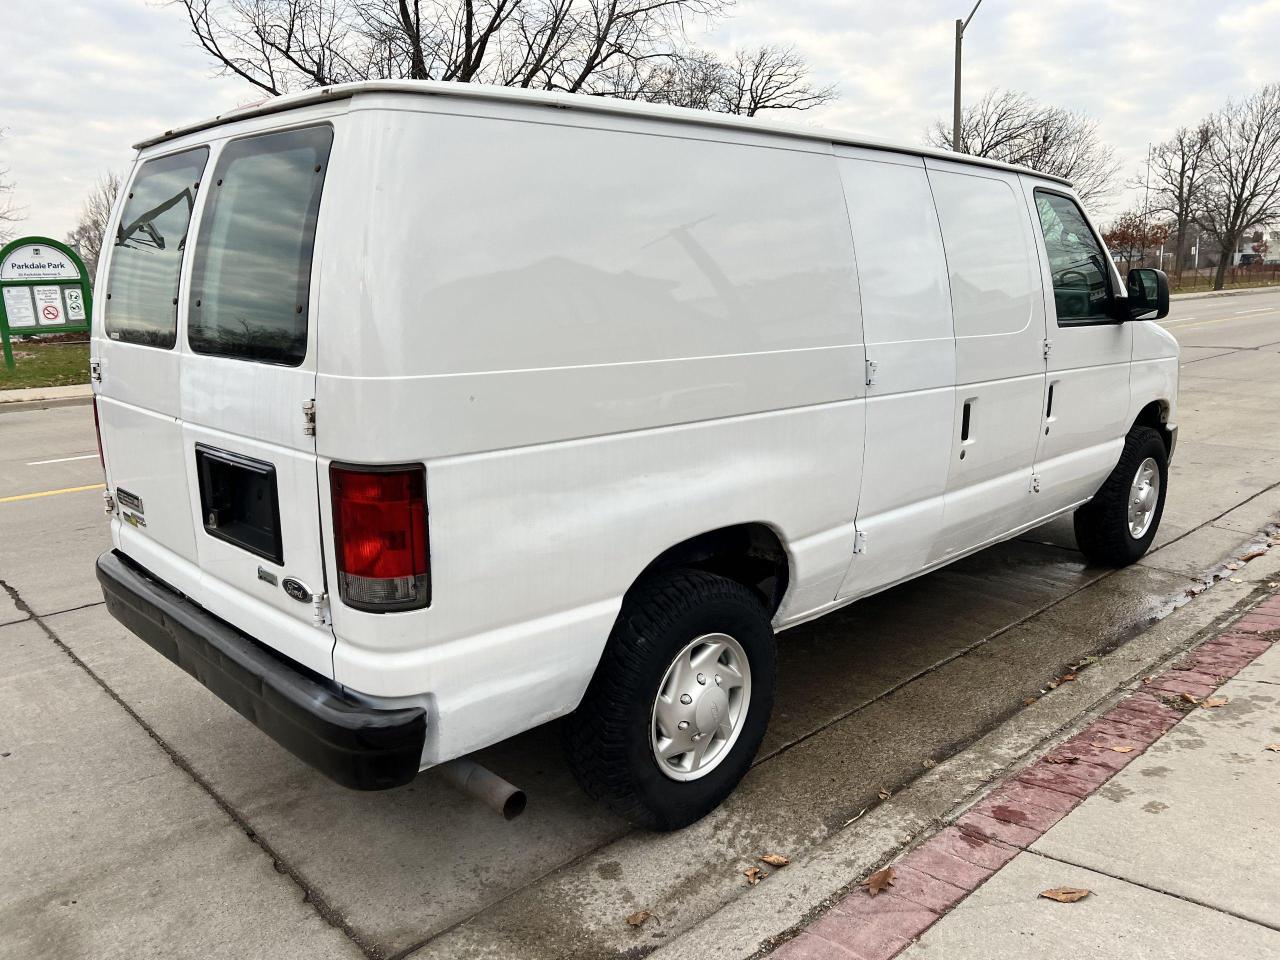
(1212, 702)
(1066, 894)
(879, 881)
(885, 793)
(754, 875)
(638, 918)
(1062, 758)
(775, 860)
(1233, 565)
(1120, 748)
(1254, 554)
(1274, 747)
(1234, 580)
(1190, 698)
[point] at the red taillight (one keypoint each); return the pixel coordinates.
(380, 531)
(97, 430)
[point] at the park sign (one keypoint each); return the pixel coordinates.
(44, 288)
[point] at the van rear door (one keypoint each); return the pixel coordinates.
(248, 372)
(207, 393)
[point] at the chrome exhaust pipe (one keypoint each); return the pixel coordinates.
(485, 786)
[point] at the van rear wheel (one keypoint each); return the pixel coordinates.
(1117, 526)
(679, 703)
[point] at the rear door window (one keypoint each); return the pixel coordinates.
(252, 268)
(1077, 262)
(146, 260)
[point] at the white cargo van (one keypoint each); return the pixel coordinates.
(432, 412)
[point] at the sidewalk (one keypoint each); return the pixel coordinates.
(1164, 809)
(76, 393)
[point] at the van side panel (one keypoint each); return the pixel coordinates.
(1000, 332)
(634, 343)
(906, 310)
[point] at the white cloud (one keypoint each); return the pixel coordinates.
(83, 80)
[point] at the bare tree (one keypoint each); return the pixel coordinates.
(88, 235)
(635, 49)
(771, 77)
(10, 214)
(1175, 180)
(1242, 187)
(283, 45)
(1015, 128)
(752, 80)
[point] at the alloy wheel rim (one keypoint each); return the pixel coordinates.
(700, 707)
(1144, 494)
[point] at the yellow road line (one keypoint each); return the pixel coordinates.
(51, 493)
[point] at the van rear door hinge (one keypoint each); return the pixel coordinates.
(95, 371)
(859, 541)
(1048, 348)
(870, 370)
(1035, 484)
(320, 610)
(309, 418)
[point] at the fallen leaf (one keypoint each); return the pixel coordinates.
(1146, 680)
(1062, 758)
(1029, 701)
(638, 918)
(1212, 702)
(1052, 684)
(879, 881)
(885, 794)
(775, 860)
(754, 875)
(930, 764)
(1254, 554)
(1234, 566)
(1122, 749)
(1190, 698)
(1234, 580)
(1274, 747)
(1066, 678)
(1066, 894)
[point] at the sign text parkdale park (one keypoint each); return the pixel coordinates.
(45, 289)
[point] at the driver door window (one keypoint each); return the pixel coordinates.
(1077, 262)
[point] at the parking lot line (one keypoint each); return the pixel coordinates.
(50, 493)
(41, 463)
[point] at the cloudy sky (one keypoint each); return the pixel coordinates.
(83, 79)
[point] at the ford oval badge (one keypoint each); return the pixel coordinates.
(296, 589)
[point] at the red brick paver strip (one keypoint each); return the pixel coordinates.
(947, 867)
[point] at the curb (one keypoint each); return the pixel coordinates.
(944, 869)
(1207, 294)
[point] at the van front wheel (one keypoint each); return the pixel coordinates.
(679, 703)
(1117, 526)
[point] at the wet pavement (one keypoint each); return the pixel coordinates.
(867, 698)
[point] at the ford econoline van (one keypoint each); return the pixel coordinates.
(433, 412)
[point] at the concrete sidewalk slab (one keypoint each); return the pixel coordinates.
(109, 849)
(1007, 919)
(1154, 823)
(1266, 669)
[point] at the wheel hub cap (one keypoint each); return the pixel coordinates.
(700, 706)
(1144, 494)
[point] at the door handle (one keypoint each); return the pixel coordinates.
(966, 425)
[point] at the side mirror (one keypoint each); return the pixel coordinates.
(1148, 294)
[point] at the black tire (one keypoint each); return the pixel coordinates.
(1102, 524)
(607, 739)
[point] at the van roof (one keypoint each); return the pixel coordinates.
(572, 101)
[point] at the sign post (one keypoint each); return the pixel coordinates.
(44, 288)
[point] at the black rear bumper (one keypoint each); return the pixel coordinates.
(357, 746)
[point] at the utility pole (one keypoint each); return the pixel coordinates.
(955, 110)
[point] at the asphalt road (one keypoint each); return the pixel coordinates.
(141, 817)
